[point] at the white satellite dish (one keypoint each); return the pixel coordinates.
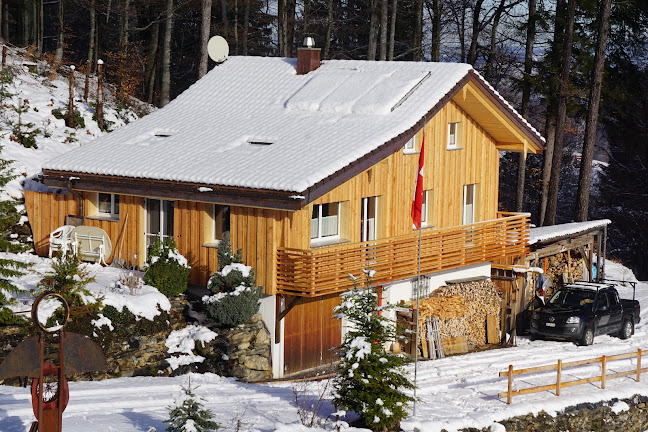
(218, 49)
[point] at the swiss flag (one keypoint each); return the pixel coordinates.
(417, 201)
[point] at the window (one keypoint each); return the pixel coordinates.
(325, 222)
(410, 146)
(159, 220)
(108, 205)
(368, 225)
(426, 208)
(221, 221)
(469, 204)
(453, 135)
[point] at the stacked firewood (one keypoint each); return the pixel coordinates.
(559, 264)
(461, 310)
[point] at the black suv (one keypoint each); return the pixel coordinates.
(581, 310)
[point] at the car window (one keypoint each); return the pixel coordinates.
(567, 297)
(612, 299)
(602, 300)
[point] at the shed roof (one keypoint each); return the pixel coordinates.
(252, 122)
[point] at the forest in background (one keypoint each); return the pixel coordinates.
(576, 69)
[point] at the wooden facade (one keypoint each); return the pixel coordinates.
(277, 243)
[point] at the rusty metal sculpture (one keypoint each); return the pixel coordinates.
(77, 354)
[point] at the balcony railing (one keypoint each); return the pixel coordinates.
(325, 270)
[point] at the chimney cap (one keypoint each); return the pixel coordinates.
(309, 42)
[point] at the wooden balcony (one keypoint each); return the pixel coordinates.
(325, 270)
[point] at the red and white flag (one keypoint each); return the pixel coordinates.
(417, 201)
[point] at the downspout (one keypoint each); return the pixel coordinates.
(78, 195)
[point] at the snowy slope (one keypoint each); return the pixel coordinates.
(41, 93)
(455, 392)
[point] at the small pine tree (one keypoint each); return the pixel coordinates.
(236, 297)
(8, 267)
(370, 380)
(189, 415)
(69, 277)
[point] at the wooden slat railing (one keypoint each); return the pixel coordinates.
(325, 270)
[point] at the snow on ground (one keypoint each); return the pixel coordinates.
(455, 392)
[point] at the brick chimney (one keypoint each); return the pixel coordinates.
(308, 57)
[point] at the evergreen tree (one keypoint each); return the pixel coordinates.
(370, 380)
(189, 415)
(8, 267)
(236, 297)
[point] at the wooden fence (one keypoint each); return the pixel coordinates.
(325, 270)
(560, 366)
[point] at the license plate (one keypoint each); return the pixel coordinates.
(551, 324)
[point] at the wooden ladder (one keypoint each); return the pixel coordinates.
(434, 338)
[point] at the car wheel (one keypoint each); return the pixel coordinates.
(627, 329)
(588, 336)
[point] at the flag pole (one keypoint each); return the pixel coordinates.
(417, 205)
(416, 338)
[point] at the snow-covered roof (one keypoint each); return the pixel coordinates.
(252, 122)
(559, 232)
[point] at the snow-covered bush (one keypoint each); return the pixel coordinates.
(167, 270)
(370, 380)
(235, 296)
(189, 415)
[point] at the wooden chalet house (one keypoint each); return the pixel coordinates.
(311, 168)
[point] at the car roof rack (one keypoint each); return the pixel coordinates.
(606, 283)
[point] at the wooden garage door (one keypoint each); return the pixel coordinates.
(310, 333)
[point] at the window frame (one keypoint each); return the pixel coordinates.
(114, 205)
(216, 219)
(163, 215)
(364, 216)
(473, 193)
(410, 146)
(319, 240)
(457, 136)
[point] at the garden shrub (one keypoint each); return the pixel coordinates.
(167, 270)
(69, 277)
(235, 297)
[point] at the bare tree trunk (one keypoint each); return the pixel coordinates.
(490, 60)
(26, 21)
(418, 32)
(384, 8)
(552, 104)
(2, 20)
(285, 26)
(151, 64)
(585, 175)
(5, 21)
(205, 25)
(225, 22)
(329, 30)
(124, 24)
(436, 30)
(373, 30)
(474, 38)
(556, 163)
(235, 27)
(92, 36)
(166, 55)
(306, 17)
(526, 99)
(100, 95)
(70, 113)
(246, 26)
(40, 28)
(392, 29)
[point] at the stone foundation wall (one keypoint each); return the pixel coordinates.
(242, 352)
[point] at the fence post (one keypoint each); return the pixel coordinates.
(639, 365)
(603, 364)
(509, 393)
(558, 377)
